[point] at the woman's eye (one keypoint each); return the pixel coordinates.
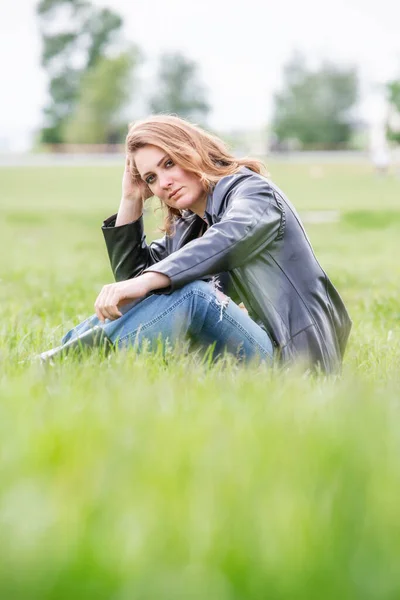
(151, 178)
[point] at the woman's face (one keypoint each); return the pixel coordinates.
(173, 185)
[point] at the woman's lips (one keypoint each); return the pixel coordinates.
(174, 193)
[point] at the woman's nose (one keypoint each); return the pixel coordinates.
(165, 182)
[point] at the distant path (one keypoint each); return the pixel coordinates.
(60, 160)
(320, 216)
(110, 159)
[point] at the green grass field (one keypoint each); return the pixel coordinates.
(129, 477)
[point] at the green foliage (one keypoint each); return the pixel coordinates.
(178, 89)
(47, 8)
(134, 477)
(63, 97)
(392, 135)
(101, 28)
(56, 45)
(393, 89)
(103, 92)
(314, 106)
(394, 93)
(89, 34)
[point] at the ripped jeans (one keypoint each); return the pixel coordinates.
(197, 312)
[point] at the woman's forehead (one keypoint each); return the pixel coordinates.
(148, 157)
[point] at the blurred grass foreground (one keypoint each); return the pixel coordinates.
(130, 477)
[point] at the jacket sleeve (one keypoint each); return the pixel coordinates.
(253, 218)
(127, 249)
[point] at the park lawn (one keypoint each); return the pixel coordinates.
(79, 189)
(136, 477)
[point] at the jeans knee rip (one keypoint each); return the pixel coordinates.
(221, 299)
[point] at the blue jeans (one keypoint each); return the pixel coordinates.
(196, 312)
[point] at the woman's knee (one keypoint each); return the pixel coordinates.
(208, 290)
(204, 288)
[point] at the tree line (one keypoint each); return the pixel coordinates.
(92, 72)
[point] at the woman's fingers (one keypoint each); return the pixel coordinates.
(107, 312)
(106, 305)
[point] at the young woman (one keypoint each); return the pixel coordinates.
(231, 237)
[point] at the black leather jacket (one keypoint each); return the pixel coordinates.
(257, 244)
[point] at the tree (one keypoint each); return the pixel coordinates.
(179, 91)
(393, 124)
(314, 106)
(70, 55)
(103, 92)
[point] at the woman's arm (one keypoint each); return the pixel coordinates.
(252, 220)
(124, 234)
(131, 206)
(115, 295)
(129, 254)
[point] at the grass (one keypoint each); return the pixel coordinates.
(131, 476)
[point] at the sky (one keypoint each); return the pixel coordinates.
(240, 47)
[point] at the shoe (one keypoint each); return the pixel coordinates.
(95, 337)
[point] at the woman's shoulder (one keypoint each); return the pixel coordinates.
(243, 180)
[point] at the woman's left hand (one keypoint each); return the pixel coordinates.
(117, 294)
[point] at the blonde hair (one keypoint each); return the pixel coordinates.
(190, 147)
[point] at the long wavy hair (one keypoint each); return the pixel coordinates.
(190, 147)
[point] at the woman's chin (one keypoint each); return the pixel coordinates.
(188, 203)
(184, 203)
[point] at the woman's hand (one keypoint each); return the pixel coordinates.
(131, 191)
(131, 206)
(117, 294)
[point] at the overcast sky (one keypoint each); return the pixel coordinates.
(240, 46)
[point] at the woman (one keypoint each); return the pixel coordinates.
(231, 236)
